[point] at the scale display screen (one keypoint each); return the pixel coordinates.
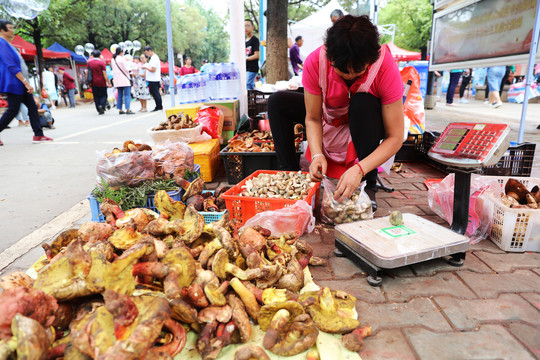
(469, 143)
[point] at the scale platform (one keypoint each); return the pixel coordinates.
(376, 244)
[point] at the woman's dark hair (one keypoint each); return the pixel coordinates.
(117, 52)
(352, 43)
(336, 13)
(4, 23)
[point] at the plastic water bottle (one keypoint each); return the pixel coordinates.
(187, 89)
(226, 91)
(196, 88)
(211, 84)
(203, 86)
(235, 81)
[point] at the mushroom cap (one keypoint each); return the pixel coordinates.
(212, 313)
(516, 187)
(166, 205)
(329, 313)
(192, 226)
(195, 188)
(125, 238)
(181, 259)
(267, 312)
(214, 296)
(219, 266)
(182, 311)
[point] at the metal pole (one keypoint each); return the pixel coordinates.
(170, 53)
(530, 67)
(262, 31)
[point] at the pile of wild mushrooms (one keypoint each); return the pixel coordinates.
(131, 288)
(282, 185)
(517, 196)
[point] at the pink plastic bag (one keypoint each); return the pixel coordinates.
(298, 217)
(441, 201)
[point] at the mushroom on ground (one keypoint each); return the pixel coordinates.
(240, 317)
(61, 241)
(221, 267)
(249, 300)
(191, 188)
(210, 314)
(251, 352)
(354, 341)
(295, 337)
(182, 311)
(214, 296)
(268, 311)
(173, 210)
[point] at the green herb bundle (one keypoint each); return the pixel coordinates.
(133, 197)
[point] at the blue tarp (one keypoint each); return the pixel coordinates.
(79, 59)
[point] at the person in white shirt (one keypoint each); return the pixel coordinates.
(153, 75)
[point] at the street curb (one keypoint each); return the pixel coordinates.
(44, 233)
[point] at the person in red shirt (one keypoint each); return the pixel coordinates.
(187, 68)
(352, 100)
(100, 81)
(69, 85)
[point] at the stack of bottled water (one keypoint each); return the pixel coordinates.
(221, 82)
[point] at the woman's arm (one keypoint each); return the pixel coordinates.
(26, 84)
(314, 135)
(392, 115)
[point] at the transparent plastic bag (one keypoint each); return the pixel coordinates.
(298, 217)
(413, 108)
(171, 159)
(129, 168)
(358, 207)
(441, 201)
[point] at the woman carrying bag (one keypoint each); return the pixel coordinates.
(122, 81)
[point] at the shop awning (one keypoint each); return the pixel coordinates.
(400, 54)
(28, 50)
(79, 59)
(165, 68)
(107, 55)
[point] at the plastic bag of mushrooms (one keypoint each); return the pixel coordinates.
(149, 286)
(341, 211)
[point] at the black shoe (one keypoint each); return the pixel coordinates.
(371, 193)
(156, 109)
(129, 112)
(100, 110)
(121, 112)
(108, 106)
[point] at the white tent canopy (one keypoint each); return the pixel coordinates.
(313, 28)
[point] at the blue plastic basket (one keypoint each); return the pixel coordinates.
(96, 212)
(210, 217)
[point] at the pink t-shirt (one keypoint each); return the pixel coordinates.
(387, 85)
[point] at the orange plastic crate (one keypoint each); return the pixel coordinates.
(243, 208)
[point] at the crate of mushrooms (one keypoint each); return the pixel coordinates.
(177, 127)
(269, 190)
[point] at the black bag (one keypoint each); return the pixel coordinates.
(89, 76)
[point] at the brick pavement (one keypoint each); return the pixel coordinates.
(487, 309)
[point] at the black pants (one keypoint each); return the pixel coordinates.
(100, 97)
(286, 108)
(504, 80)
(454, 80)
(14, 104)
(465, 80)
(154, 86)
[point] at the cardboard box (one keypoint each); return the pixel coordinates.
(231, 112)
(188, 109)
(227, 135)
(207, 156)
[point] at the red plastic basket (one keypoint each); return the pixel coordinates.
(243, 208)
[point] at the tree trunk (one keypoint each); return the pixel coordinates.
(276, 41)
(36, 33)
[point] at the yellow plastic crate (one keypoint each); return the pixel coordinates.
(188, 109)
(207, 156)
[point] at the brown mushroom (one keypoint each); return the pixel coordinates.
(210, 314)
(182, 311)
(221, 267)
(240, 317)
(250, 352)
(191, 188)
(517, 190)
(295, 338)
(267, 312)
(214, 296)
(197, 201)
(354, 341)
(250, 241)
(209, 250)
(194, 295)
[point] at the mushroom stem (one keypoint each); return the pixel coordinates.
(249, 300)
(277, 325)
(250, 352)
(179, 338)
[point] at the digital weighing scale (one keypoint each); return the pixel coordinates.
(375, 244)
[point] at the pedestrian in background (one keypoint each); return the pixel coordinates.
(153, 75)
(335, 15)
(294, 55)
(495, 75)
(252, 54)
(438, 81)
(188, 68)
(49, 82)
(205, 65)
(454, 80)
(510, 70)
(465, 81)
(69, 86)
(142, 92)
(121, 82)
(14, 84)
(100, 82)
(45, 116)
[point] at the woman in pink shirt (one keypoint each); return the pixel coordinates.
(121, 81)
(352, 100)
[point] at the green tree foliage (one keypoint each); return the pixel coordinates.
(413, 22)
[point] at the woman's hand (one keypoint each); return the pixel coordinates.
(348, 183)
(29, 88)
(317, 169)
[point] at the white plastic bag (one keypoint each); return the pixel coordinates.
(298, 217)
(129, 168)
(346, 210)
(441, 201)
